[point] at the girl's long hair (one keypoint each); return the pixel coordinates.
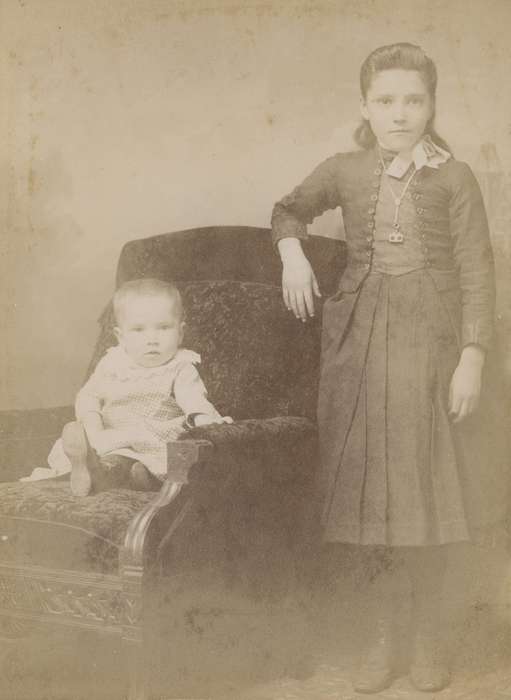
(401, 56)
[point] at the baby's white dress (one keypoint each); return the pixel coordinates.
(128, 396)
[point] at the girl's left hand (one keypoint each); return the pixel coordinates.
(465, 388)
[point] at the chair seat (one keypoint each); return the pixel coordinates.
(43, 524)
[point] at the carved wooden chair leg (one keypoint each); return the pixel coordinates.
(10, 628)
(132, 638)
(137, 573)
(138, 688)
(12, 662)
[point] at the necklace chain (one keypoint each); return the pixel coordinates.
(396, 236)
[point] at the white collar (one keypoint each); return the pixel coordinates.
(425, 153)
(120, 362)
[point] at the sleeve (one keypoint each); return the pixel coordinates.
(88, 399)
(474, 259)
(190, 392)
(317, 193)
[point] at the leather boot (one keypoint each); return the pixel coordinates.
(376, 672)
(141, 478)
(429, 670)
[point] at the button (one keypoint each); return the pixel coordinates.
(417, 195)
(420, 210)
(378, 171)
(368, 253)
(371, 211)
(374, 197)
(369, 239)
(370, 224)
(376, 183)
(367, 266)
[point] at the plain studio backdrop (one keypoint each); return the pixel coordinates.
(123, 119)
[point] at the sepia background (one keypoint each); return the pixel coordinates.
(127, 118)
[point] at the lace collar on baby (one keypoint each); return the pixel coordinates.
(121, 364)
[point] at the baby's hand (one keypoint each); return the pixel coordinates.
(204, 419)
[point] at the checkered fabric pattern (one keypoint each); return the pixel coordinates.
(151, 403)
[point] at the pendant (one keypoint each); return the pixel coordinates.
(396, 237)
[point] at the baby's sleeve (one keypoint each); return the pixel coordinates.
(191, 394)
(88, 399)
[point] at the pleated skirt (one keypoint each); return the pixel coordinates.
(395, 469)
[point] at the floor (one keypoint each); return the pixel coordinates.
(481, 670)
(44, 669)
(254, 654)
(332, 683)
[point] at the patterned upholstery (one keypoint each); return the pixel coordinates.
(43, 524)
(257, 361)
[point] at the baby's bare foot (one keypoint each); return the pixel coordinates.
(75, 447)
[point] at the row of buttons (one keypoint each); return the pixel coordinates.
(372, 211)
(411, 195)
(413, 183)
(425, 248)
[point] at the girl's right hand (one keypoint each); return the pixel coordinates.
(299, 283)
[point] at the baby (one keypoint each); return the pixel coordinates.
(144, 392)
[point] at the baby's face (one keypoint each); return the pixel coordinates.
(150, 329)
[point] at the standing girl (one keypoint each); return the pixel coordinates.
(405, 339)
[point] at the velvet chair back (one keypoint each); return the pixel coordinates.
(257, 359)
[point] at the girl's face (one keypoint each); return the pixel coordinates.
(150, 329)
(398, 107)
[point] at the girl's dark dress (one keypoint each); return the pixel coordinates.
(395, 469)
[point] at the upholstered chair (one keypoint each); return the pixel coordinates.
(241, 497)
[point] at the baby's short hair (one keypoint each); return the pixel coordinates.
(146, 287)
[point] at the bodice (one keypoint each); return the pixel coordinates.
(396, 258)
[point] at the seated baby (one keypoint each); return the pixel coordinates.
(144, 392)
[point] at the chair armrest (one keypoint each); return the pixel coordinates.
(252, 501)
(283, 445)
(26, 437)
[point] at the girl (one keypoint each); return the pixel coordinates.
(144, 392)
(403, 350)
